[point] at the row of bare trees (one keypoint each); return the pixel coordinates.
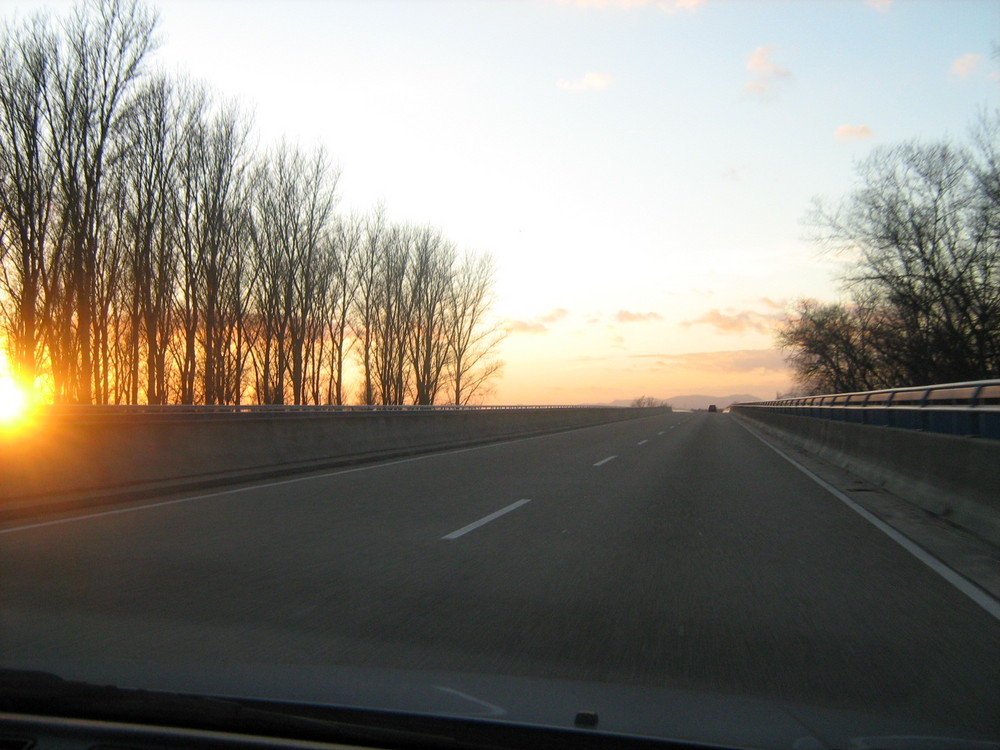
(149, 253)
(921, 234)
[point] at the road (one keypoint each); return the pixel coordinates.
(670, 551)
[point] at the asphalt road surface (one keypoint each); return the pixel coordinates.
(670, 551)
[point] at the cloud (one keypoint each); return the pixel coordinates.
(556, 315)
(738, 321)
(760, 63)
(764, 70)
(588, 82)
(880, 5)
(734, 173)
(742, 360)
(538, 324)
(525, 326)
(963, 66)
(668, 6)
(624, 316)
(853, 133)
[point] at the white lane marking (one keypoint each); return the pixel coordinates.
(642, 442)
(660, 432)
(491, 710)
(280, 483)
(485, 520)
(113, 512)
(963, 584)
(605, 460)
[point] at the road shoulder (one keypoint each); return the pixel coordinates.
(970, 557)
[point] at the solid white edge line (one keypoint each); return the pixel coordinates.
(280, 483)
(485, 520)
(605, 460)
(963, 584)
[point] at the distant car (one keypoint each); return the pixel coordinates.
(712, 407)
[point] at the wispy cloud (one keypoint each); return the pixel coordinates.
(624, 316)
(741, 360)
(963, 66)
(760, 63)
(740, 321)
(525, 326)
(853, 133)
(880, 5)
(764, 70)
(537, 325)
(587, 82)
(554, 316)
(669, 6)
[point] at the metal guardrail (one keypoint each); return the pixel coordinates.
(276, 410)
(970, 408)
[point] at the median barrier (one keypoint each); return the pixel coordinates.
(951, 476)
(69, 458)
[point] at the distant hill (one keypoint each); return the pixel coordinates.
(703, 402)
(697, 401)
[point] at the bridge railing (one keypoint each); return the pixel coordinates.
(969, 408)
(272, 411)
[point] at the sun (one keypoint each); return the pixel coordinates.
(13, 400)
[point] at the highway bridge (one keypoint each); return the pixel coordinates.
(674, 550)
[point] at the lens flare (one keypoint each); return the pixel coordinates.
(13, 401)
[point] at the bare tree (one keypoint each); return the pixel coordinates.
(293, 208)
(471, 339)
(921, 229)
(343, 251)
(366, 299)
(29, 159)
(392, 317)
(832, 347)
(106, 45)
(147, 254)
(212, 231)
(429, 282)
(149, 181)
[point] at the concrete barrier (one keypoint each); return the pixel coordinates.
(70, 459)
(954, 477)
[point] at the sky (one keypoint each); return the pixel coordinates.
(640, 170)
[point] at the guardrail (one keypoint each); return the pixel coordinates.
(970, 408)
(96, 454)
(198, 412)
(277, 409)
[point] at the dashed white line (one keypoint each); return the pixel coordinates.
(642, 442)
(660, 432)
(605, 460)
(490, 709)
(485, 520)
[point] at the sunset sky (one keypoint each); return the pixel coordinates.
(639, 169)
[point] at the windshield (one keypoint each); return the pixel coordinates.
(570, 237)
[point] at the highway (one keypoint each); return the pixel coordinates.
(671, 551)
